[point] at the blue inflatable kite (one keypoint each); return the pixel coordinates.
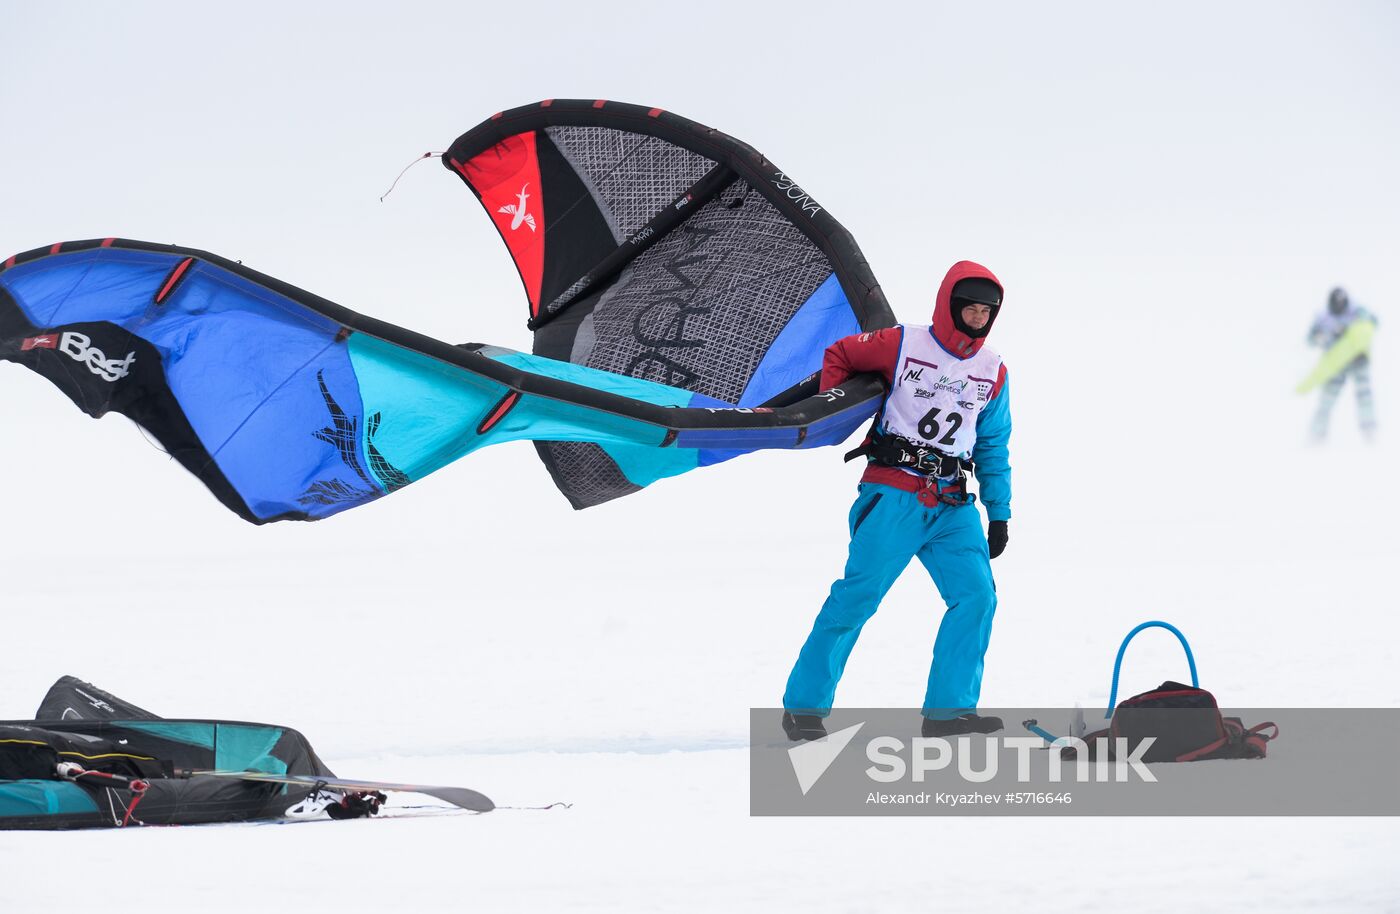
(681, 291)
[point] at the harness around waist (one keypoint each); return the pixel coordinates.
(900, 452)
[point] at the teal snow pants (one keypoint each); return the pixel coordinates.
(888, 528)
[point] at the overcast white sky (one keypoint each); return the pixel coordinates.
(1167, 192)
(1036, 136)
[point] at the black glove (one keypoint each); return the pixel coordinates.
(997, 538)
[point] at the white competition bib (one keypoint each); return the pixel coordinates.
(937, 397)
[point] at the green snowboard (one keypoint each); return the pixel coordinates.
(1354, 342)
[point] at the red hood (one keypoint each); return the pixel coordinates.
(944, 330)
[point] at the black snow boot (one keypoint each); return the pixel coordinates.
(803, 726)
(961, 726)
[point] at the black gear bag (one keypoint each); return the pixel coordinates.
(1185, 721)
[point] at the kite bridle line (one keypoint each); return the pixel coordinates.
(426, 155)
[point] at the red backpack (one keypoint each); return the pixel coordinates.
(1185, 720)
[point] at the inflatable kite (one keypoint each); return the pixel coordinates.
(91, 760)
(681, 291)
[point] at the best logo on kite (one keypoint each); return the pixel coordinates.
(79, 348)
(666, 337)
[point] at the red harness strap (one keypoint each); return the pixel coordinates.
(929, 490)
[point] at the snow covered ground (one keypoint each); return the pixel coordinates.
(1165, 231)
(627, 697)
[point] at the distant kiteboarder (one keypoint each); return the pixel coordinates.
(1344, 332)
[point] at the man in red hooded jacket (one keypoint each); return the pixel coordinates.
(947, 411)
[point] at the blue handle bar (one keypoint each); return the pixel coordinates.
(1123, 648)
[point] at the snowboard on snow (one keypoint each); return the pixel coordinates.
(457, 796)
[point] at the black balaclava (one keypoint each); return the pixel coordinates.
(1337, 301)
(975, 291)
